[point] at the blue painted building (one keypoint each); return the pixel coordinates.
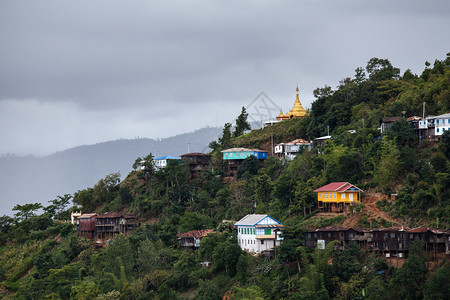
(235, 156)
(243, 153)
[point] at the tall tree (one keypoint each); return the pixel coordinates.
(225, 140)
(241, 123)
(26, 211)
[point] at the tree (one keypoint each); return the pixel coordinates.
(194, 221)
(438, 285)
(444, 144)
(225, 140)
(407, 282)
(389, 167)
(58, 206)
(208, 290)
(26, 211)
(145, 164)
(241, 123)
(381, 69)
(249, 166)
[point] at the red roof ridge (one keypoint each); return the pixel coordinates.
(195, 233)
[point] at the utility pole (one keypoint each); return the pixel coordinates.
(423, 111)
(272, 144)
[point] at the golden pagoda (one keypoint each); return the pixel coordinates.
(296, 112)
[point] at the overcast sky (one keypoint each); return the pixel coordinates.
(82, 72)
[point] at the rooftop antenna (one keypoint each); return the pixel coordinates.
(423, 111)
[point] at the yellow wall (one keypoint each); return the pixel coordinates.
(336, 197)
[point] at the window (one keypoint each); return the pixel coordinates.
(392, 235)
(334, 195)
(262, 242)
(437, 129)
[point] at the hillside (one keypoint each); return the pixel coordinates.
(41, 256)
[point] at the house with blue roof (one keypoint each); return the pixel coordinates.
(257, 233)
(234, 158)
(163, 161)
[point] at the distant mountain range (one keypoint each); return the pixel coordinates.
(29, 179)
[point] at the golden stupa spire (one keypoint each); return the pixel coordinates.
(297, 111)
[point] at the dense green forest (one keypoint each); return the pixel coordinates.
(41, 257)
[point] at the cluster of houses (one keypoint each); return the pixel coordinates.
(389, 242)
(430, 128)
(260, 233)
(103, 226)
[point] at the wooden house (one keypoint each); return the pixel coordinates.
(257, 233)
(110, 224)
(323, 236)
(87, 225)
(435, 240)
(386, 123)
(196, 162)
(235, 156)
(391, 242)
(192, 239)
(338, 196)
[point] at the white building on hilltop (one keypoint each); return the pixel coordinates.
(257, 233)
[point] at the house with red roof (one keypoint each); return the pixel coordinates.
(193, 238)
(338, 196)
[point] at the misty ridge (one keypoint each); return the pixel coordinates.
(30, 179)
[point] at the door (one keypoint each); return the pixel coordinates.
(350, 195)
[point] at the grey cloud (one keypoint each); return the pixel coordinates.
(158, 56)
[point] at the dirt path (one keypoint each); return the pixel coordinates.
(371, 210)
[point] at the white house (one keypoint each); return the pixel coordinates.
(441, 124)
(289, 150)
(257, 233)
(161, 162)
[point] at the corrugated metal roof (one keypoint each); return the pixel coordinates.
(250, 220)
(298, 141)
(269, 226)
(197, 234)
(195, 154)
(253, 219)
(337, 187)
(87, 215)
(166, 157)
(114, 215)
(390, 119)
(337, 228)
(242, 150)
(392, 228)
